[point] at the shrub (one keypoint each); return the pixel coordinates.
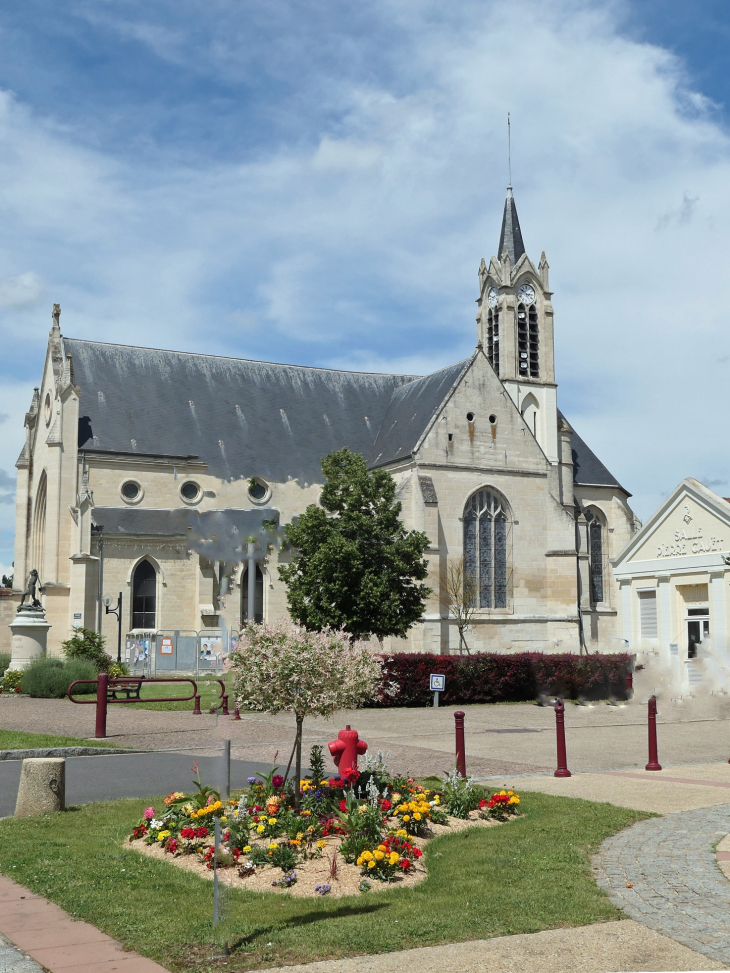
(491, 678)
(10, 682)
(48, 678)
(4, 662)
(88, 645)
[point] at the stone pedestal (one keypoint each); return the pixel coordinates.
(30, 632)
(42, 787)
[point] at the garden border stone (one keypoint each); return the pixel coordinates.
(63, 752)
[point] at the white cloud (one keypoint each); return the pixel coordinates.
(361, 245)
(18, 291)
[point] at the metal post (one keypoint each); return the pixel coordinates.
(237, 714)
(224, 703)
(436, 695)
(215, 871)
(251, 581)
(119, 629)
(196, 708)
(562, 770)
(102, 685)
(226, 770)
(653, 755)
(460, 746)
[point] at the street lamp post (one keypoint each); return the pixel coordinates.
(118, 612)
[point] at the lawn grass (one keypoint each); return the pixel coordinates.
(528, 875)
(15, 740)
(208, 689)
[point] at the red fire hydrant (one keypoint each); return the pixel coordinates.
(346, 748)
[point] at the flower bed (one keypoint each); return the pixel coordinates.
(340, 836)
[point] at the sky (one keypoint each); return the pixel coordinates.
(317, 183)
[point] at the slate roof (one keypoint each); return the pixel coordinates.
(248, 418)
(588, 470)
(511, 235)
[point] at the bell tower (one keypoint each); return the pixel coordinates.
(515, 329)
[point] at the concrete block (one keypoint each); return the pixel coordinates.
(42, 787)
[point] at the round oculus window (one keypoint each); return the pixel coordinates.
(493, 419)
(470, 417)
(190, 491)
(130, 490)
(257, 490)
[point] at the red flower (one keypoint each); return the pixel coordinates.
(171, 845)
(343, 805)
(404, 864)
(277, 780)
(417, 852)
(483, 802)
(385, 805)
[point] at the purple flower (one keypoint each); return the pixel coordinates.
(323, 889)
(252, 780)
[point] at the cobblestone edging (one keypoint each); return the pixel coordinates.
(62, 752)
(677, 887)
(14, 960)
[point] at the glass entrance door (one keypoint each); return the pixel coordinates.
(698, 629)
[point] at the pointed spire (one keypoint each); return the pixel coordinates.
(510, 239)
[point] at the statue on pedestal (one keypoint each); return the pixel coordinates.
(30, 592)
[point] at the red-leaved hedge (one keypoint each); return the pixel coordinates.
(490, 678)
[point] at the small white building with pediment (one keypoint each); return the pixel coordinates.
(674, 584)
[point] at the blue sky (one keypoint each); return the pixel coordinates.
(317, 182)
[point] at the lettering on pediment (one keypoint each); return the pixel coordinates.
(689, 530)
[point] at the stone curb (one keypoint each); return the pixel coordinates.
(63, 752)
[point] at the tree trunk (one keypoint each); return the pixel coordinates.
(298, 745)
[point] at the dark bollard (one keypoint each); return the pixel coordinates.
(630, 682)
(562, 770)
(102, 686)
(196, 708)
(653, 755)
(237, 715)
(224, 711)
(460, 746)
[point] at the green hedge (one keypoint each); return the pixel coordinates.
(49, 678)
(491, 678)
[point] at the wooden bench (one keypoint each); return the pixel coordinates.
(130, 687)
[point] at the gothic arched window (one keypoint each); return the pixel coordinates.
(528, 342)
(595, 554)
(38, 546)
(258, 604)
(144, 597)
(493, 338)
(487, 548)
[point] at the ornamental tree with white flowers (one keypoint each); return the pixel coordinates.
(285, 667)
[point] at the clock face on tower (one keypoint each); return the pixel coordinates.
(492, 297)
(526, 293)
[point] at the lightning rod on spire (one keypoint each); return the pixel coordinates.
(509, 150)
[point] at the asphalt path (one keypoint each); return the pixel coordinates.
(114, 776)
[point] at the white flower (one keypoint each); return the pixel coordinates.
(154, 823)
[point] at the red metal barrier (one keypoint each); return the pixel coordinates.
(562, 770)
(105, 685)
(460, 745)
(653, 754)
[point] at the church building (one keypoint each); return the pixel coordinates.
(167, 476)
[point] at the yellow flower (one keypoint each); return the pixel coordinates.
(300, 835)
(359, 861)
(427, 792)
(367, 856)
(417, 816)
(324, 783)
(247, 849)
(437, 799)
(362, 809)
(321, 844)
(382, 848)
(260, 829)
(305, 814)
(503, 793)
(371, 864)
(406, 817)
(273, 845)
(379, 855)
(511, 793)
(272, 820)
(394, 858)
(162, 835)
(295, 842)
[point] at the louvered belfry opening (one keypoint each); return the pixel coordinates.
(144, 597)
(528, 341)
(493, 339)
(487, 548)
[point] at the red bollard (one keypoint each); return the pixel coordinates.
(562, 770)
(460, 745)
(225, 706)
(237, 715)
(102, 685)
(630, 681)
(653, 755)
(196, 708)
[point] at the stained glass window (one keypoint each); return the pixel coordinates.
(487, 548)
(595, 556)
(144, 596)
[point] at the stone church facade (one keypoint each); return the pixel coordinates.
(167, 476)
